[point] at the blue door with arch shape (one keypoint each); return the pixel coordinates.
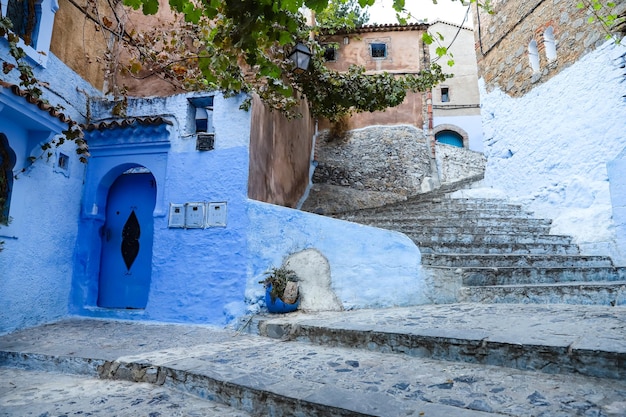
(126, 259)
(449, 137)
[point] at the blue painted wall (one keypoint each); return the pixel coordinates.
(370, 267)
(36, 263)
(50, 265)
(198, 275)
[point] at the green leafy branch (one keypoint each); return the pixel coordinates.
(242, 46)
(604, 12)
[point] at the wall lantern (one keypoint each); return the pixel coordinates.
(300, 56)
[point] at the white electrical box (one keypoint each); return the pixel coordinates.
(194, 215)
(216, 215)
(177, 215)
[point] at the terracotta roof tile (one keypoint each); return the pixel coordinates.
(40, 103)
(128, 122)
(390, 27)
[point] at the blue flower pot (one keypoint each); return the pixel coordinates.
(278, 305)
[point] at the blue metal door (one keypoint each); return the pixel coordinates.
(126, 261)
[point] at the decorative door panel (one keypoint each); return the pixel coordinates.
(126, 260)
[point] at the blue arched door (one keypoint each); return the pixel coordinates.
(449, 137)
(126, 260)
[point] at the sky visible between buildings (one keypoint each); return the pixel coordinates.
(447, 10)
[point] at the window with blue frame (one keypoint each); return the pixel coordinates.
(7, 162)
(22, 15)
(378, 50)
(32, 21)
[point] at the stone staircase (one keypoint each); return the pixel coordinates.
(519, 342)
(495, 251)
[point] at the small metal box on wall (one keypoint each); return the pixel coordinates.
(216, 215)
(177, 215)
(194, 215)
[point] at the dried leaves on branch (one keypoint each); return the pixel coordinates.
(242, 46)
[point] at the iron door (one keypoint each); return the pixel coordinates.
(126, 260)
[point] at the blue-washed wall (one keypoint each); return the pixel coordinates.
(198, 275)
(36, 263)
(369, 267)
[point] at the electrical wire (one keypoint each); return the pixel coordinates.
(457, 32)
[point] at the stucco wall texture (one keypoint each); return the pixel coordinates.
(550, 147)
(37, 260)
(280, 155)
(369, 267)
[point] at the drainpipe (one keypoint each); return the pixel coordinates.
(312, 166)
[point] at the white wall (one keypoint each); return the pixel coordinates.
(550, 148)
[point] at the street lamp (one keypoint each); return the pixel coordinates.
(300, 56)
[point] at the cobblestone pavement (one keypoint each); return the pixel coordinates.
(48, 394)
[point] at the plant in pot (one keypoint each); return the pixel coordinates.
(281, 290)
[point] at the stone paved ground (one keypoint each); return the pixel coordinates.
(262, 376)
(48, 394)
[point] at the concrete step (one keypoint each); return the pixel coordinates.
(510, 260)
(352, 374)
(582, 293)
(500, 248)
(490, 238)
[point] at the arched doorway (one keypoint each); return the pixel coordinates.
(126, 256)
(7, 162)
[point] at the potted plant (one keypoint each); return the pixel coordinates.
(281, 290)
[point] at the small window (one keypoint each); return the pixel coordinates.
(330, 53)
(63, 161)
(533, 55)
(445, 94)
(549, 43)
(203, 113)
(378, 50)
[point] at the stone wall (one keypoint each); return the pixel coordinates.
(380, 165)
(503, 41)
(393, 159)
(456, 164)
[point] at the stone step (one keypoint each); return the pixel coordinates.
(355, 373)
(458, 222)
(490, 238)
(440, 214)
(585, 339)
(500, 248)
(582, 293)
(452, 204)
(501, 229)
(510, 260)
(539, 275)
